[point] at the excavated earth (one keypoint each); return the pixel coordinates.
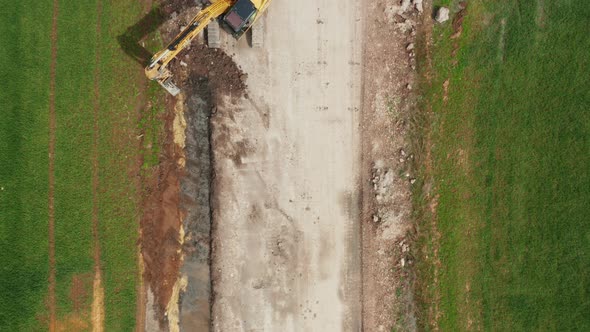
(175, 237)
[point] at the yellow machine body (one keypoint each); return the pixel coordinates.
(157, 68)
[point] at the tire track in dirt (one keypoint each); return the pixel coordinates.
(51, 175)
(97, 311)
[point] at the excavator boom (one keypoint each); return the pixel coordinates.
(157, 70)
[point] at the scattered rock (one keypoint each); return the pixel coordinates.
(182, 63)
(419, 6)
(379, 164)
(386, 182)
(376, 218)
(405, 5)
(412, 181)
(403, 262)
(442, 15)
(410, 47)
(407, 25)
(405, 247)
(409, 86)
(401, 160)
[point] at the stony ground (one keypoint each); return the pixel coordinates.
(388, 115)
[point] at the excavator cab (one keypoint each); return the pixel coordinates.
(240, 17)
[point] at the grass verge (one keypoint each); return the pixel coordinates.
(504, 233)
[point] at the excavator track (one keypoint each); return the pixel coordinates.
(257, 32)
(214, 34)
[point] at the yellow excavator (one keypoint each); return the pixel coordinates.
(238, 15)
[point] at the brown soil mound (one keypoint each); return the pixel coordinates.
(225, 78)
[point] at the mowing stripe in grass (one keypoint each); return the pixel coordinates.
(50, 107)
(73, 162)
(118, 152)
(51, 171)
(97, 312)
(25, 72)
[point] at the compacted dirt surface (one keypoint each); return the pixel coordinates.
(283, 198)
(285, 204)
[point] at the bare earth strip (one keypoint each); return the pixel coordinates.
(97, 311)
(52, 127)
(388, 111)
(286, 161)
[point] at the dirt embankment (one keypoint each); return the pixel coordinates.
(387, 173)
(175, 223)
(160, 224)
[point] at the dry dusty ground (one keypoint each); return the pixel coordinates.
(389, 113)
(286, 249)
(310, 166)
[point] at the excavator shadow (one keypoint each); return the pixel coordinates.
(130, 40)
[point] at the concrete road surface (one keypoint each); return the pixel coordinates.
(285, 204)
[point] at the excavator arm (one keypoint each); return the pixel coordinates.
(240, 15)
(157, 69)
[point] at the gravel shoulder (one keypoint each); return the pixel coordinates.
(388, 159)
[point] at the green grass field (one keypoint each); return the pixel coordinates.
(25, 58)
(23, 163)
(509, 246)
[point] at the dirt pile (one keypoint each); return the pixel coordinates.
(224, 77)
(198, 61)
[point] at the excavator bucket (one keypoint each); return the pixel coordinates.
(169, 86)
